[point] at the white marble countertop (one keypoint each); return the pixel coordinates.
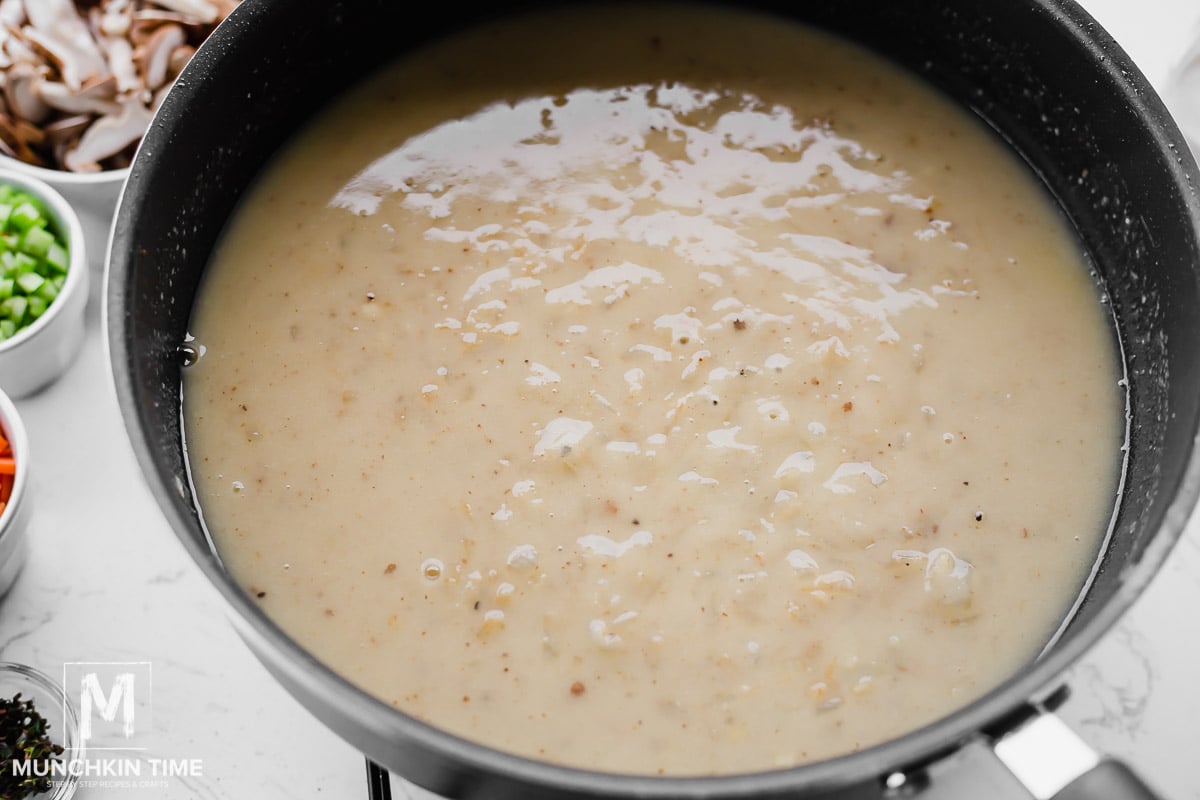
(107, 581)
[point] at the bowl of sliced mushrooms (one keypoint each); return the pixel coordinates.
(80, 81)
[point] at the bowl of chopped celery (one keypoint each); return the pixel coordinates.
(43, 284)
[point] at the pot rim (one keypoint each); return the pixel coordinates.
(387, 724)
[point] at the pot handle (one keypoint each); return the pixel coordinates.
(379, 782)
(1053, 763)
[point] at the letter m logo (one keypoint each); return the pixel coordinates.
(92, 699)
(113, 702)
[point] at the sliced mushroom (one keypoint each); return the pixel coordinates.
(147, 23)
(120, 62)
(226, 7)
(21, 94)
(19, 51)
(198, 10)
(160, 95)
(98, 97)
(29, 132)
(56, 27)
(108, 136)
(19, 138)
(180, 57)
(150, 17)
(12, 13)
(116, 17)
(12, 16)
(154, 56)
(67, 129)
(64, 135)
(8, 138)
(50, 14)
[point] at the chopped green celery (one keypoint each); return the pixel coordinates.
(14, 308)
(30, 282)
(37, 242)
(34, 260)
(57, 258)
(48, 291)
(25, 216)
(24, 264)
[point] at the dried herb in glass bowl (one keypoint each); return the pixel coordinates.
(24, 736)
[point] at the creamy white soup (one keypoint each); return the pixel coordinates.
(659, 392)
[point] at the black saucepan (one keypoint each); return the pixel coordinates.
(1040, 72)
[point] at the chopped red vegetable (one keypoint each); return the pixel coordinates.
(8, 471)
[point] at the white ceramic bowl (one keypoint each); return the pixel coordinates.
(14, 519)
(37, 355)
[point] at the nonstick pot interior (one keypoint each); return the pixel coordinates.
(1040, 72)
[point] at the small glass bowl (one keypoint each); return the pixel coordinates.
(52, 703)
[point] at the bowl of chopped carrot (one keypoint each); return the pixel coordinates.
(43, 284)
(14, 477)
